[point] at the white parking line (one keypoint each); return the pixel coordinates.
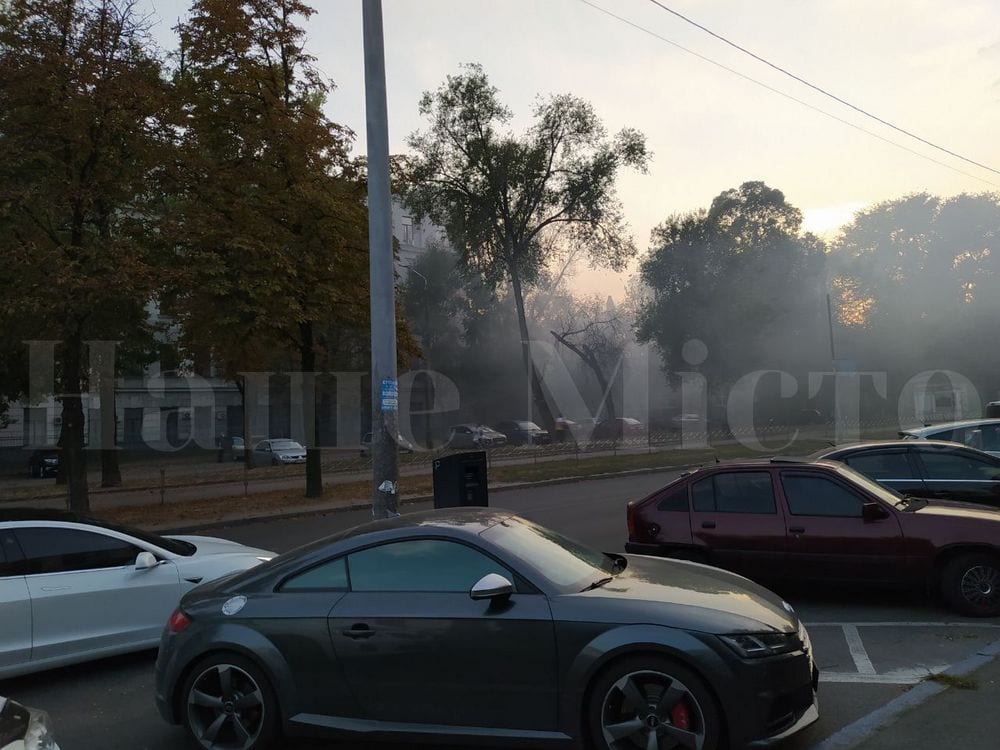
(896, 677)
(858, 653)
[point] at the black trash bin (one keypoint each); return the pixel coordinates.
(460, 481)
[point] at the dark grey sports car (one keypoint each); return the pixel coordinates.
(474, 626)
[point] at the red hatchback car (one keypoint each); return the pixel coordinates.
(821, 521)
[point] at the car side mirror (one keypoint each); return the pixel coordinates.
(145, 561)
(491, 586)
(873, 512)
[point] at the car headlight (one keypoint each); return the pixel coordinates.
(39, 734)
(757, 645)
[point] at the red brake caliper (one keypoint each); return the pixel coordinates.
(680, 717)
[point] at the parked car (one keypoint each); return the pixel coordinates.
(822, 521)
(519, 432)
(621, 428)
(279, 451)
(688, 422)
(239, 449)
(23, 728)
(473, 626)
(74, 588)
(473, 435)
(925, 468)
(982, 434)
(405, 446)
(43, 462)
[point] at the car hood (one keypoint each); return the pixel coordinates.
(695, 597)
(954, 509)
(209, 546)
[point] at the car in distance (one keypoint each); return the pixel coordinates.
(405, 446)
(783, 521)
(925, 468)
(982, 434)
(620, 428)
(74, 588)
(23, 728)
(473, 626)
(471, 435)
(279, 451)
(523, 432)
(44, 462)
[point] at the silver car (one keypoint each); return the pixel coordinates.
(278, 451)
(981, 434)
(74, 589)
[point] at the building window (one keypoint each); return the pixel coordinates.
(408, 234)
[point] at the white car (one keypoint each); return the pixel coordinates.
(278, 451)
(982, 434)
(23, 728)
(74, 588)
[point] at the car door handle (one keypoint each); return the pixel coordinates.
(360, 630)
(708, 524)
(55, 588)
(797, 529)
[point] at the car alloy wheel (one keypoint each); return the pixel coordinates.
(229, 706)
(971, 585)
(653, 704)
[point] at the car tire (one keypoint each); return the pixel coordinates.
(970, 584)
(212, 713)
(637, 695)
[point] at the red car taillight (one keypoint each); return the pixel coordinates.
(630, 519)
(178, 621)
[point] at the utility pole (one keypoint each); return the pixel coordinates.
(385, 390)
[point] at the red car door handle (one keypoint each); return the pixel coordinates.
(708, 524)
(797, 529)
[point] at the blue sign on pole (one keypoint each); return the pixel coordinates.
(390, 395)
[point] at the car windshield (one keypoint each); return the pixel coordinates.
(528, 426)
(176, 546)
(285, 445)
(884, 493)
(568, 565)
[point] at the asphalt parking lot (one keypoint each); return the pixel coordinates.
(870, 646)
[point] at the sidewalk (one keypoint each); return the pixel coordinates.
(934, 714)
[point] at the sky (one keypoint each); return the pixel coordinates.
(929, 66)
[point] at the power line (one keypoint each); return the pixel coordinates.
(821, 90)
(788, 96)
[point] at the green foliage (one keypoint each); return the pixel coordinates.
(268, 218)
(741, 277)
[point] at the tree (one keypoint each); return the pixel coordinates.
(741, 277)
(597, 334)
(510, 204)
(270, 218)
(82, 126)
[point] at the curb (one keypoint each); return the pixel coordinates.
(862, 729)
(413, 500)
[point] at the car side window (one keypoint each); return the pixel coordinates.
(735, 492)
(426, 565)
(957, 466)
(328, 576)
(813, 495)
(675, 499)
(57, 550)
(882, 465)
(10, 555)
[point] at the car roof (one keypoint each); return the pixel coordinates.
(874, 444)
(928, 429)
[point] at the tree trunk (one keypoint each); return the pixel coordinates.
(241, 385)
(72, 410)
(537, 394)
(314, 466)
(111, 475)
(61, 441)
(607, 396)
